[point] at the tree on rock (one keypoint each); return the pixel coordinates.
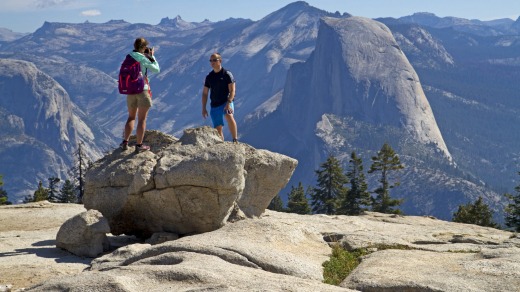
(82, 164)
(512, 211)
(276, 204)
(357, 197)
(385, 162)
(3, 194)
(41, 193)
(298, 202)
(330, 187)
(53, 189)
(68, 193)
(477, 213)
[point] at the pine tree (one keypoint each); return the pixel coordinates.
(330, 187)
(53, 189)
(4, 200)
(68, 193)
(385, 162)
(41, 193)
(276, 204)
(512, 211)
(477, 213)
(28, 199)
(298, 202)
(82, 163)
(357, 196)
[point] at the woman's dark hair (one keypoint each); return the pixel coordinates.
(140, 43)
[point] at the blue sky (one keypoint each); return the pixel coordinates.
(29, 15)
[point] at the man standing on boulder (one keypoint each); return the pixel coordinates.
(222, 85)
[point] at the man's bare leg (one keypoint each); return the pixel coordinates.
(220, 132)
(232, 126)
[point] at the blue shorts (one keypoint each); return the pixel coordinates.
(217, 114)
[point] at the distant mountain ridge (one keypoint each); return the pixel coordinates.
(465, 71)
(496, 27)
(7, 35)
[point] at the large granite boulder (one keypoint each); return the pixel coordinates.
(184, 186)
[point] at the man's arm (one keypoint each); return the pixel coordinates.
(205, 91)
(231, 96)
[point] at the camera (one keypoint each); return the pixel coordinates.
(147, 50)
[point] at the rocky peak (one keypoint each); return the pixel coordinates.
(7, 35)
(177, 22)
(516, 25)
(373, 82)
(423, 18)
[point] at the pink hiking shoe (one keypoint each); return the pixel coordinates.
(141, 148)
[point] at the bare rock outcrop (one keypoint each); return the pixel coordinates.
(285, 252)
(184, 186)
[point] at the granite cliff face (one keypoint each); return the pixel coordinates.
(358, 70)
(42, 127)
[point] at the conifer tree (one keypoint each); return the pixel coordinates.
(82, 163)
(68, 193)
(41, 193)
(512, 211)
(3, 197)
(385, 162)
(53, 189)
(276, 204)
(477, 213)
(330, 187)
(357, 196)
(28, 199)
(298, 202)
(3, 194)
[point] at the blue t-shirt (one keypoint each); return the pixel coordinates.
(218, 82)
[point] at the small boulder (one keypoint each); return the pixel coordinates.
(84, 234)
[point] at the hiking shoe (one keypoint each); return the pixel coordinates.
(235, 141)
(141, 148)
(124, 145)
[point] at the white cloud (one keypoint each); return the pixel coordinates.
(51, 3)
(92, 12)
(15, 5)
(37, 5)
